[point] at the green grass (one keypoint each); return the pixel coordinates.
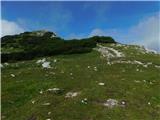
(18, 92)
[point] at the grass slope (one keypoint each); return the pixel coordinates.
(30, 78)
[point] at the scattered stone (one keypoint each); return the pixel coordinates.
(95, 68)
(71, 73)
(157, 66)
(111, 103)
(109, 52)
(71, 94)
(84, 101)
(12, 75)
(48, 119)
(138, 62)
(41, 60)
(149, 103)
(49, 113)
(109, 63)
(145, 66)
(101, 84)
(46, 65)
(6, 64)
(144, 81)
(55, 90)
(123, 103)
(88, 67)
(150, 83)
(46, 104)
(137, 81)
(55, 60)
(41, 92)
(33, 101)
(150, 51)
(131, 62)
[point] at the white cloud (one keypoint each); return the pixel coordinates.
(10, 28)
(98, 32)
(146, 33)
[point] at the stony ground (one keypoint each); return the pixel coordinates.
(114, 82)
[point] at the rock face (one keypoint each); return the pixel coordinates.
(43, 32)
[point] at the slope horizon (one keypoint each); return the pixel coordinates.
(82, 19)
(78, 38)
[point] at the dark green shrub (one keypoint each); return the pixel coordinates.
(34, 45)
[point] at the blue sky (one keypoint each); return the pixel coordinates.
(124, 21)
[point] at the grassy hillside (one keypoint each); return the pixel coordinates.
(31, 92)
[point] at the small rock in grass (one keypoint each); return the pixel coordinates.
(157, 66)
(6, 64)
(101, 84)
(33, 101)
(95, 68)
(12, 75)
(55, 60)
(123, 103)
(49, 113)
(111, 103)
(41, 60)
(145, 66)
(144, 81)
(71, 94)
(108, 63)
(46, 104)
(84, 101)
(150, 83)
(149, 103)
(55, 90)
(71, 73)
(46, 65)
(48, 119)
(89, 67)
(137, 81)
(41, 92)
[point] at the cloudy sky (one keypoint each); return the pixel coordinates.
(126, 22)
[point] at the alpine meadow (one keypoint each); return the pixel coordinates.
(80, 60)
